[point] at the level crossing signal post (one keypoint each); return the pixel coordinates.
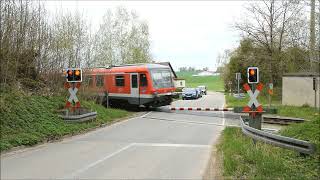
(238, 78)
(73, 82)
(254, 108)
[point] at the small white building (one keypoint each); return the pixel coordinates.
(298, 89)
(206, 73)
(179, 83)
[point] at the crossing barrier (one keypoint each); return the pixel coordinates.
(199, 109)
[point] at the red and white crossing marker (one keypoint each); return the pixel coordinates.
(253, 98)
(73, 97)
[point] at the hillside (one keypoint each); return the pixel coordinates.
(28, 120)
(213, 83)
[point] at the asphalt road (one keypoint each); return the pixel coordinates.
(157, 145)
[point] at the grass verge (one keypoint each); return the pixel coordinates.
(244, 159)
(28, 120)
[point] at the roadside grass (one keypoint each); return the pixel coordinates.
(28, 120)
(244, 159)
(213, 83)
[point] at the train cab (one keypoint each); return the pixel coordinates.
(140, 84)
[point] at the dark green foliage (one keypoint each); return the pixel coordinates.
(271, 68)
(242, 159)
(28, 120)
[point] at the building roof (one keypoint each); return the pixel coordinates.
(302, 74)
(179, 79)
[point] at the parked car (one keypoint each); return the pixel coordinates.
(189, 93)
(203, 89)
(199, 92)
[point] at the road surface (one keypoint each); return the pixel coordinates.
(157, 145)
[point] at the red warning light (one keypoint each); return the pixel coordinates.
(253, 75)
(251, 72)
(77, 73)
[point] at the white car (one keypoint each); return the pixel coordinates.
(199, 92)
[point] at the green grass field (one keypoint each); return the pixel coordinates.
(213, 83)
(242, 159)
(28, 120)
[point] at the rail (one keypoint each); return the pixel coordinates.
(301, 146)
(280, 120)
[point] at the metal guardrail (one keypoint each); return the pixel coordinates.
(301, 146)
(79, 118)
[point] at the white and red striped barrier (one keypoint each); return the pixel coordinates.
(199, 109)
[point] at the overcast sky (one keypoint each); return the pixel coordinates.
(186, 33)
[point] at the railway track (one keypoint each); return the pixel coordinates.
(281, 120)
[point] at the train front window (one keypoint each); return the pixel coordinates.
(161, 78)
(143, 80)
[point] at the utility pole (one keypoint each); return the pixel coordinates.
(312, 34)
(319, 33)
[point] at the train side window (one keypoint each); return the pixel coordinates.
(119, 80)
(143, 80)
(99, 81)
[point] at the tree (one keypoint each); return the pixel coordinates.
(122, 39)
(36, 47)
(268, 25)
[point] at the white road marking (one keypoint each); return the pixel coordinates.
(145, 114)
(98, 130)
(74, 174)
(172, 145)
(85, 168)
(184, 121)
(67, 139)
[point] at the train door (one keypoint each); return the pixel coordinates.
(135, 87)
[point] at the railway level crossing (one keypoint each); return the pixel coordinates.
(73, 81)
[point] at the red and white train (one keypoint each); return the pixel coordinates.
(137, 84)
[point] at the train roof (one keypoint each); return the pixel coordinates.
(126, 68)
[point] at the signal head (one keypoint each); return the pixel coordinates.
(74, 75)
(253, 75)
